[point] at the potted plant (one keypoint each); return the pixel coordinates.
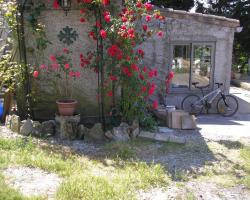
(62, 69)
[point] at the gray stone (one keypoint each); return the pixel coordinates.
(165, 130)
(147, 134)
(48, 127)
(67, 126)
(124, 125)
(121, 133)
(15, 123)
(82, 131)
(134, 129)
(163, 137)
(109, 135)
(8, 121)
(176, 139)
(96, 132)
(37, 129)
(135, 133)
(27, 128)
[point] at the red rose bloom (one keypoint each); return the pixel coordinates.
(105, 2)
(160, 33)
(35, 74)
(82, 20)
(145, 27)
(155, 104)
(140, 52)
(110, 93)
(107, 18)
(67, 66)
(141, 77)
(56, 4)
(148, 18)
(103, 34)
(135, 67)
(148, 6)
(151, 89)
(113, 78)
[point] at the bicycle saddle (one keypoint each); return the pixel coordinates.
(195, 83)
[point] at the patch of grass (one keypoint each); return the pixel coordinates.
(121, 150)
(227, 180)
(170, 147)
(190, 196)
(86, 178)
(231, 144)
(245, 154)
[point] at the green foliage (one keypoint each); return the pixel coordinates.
(37, 28)
(238, 10)
(11, 73)
(147, 122)
(175, 4)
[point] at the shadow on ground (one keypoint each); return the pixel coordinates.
(178, 159)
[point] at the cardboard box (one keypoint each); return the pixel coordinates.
(188, 122)
(176, 118)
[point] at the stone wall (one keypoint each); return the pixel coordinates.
(157, 54)
(85, 88)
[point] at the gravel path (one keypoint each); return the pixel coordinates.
(32, 181)
(196, 190)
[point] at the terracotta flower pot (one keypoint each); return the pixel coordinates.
(66, 107)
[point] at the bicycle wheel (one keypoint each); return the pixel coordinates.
(227, 107)
(192, 104)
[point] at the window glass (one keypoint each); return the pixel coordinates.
(181, 66)
(202, 64)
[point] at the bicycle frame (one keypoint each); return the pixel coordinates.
(211, 96)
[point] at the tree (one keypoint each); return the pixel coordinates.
(175, 4)
(237, 9)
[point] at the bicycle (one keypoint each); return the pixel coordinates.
(227, 105)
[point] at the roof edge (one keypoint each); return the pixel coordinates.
(205, 18)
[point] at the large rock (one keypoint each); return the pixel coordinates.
(67, 126)
(15, 123)
(48, 128)
(121, 133)
(82, 131)
(27, 128)
(8, 121)
(135, 129)
(96, 132)
(37, 129)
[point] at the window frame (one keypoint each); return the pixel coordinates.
(192, 44)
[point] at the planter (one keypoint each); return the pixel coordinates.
(66, 107)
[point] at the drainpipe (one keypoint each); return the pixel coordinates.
(22, 51)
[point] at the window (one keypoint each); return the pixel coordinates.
(192, 63)
(181, 66)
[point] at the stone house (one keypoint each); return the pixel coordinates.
(197, 47)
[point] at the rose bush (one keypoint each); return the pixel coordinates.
(117, 59)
